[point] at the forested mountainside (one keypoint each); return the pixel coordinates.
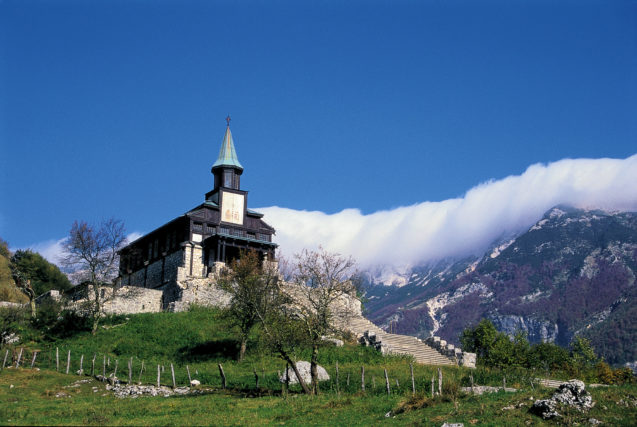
(573, 272)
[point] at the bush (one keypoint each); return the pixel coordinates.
(607, 375)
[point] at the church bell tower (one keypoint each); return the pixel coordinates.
(227, 170)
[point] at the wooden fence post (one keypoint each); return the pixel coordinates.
(223, 376)
(172, 372)
(19, 357)
(115, 371)
(363, 378)
(104, 369)
(387, 383)
(504, 383)
(189, 378)
(471, 378)
(440, 381)
(35, 353)
(57, 359)
(337, 390)
(158, 376)
(4, 362)
(140, 373)
(413, 381)
(130, 371)
(256, 378)
(68, 362)
(432, 386)
(93, 364)
(81, 371)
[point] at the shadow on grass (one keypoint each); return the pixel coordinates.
(210, 350)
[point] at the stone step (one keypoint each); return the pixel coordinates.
(398, 344)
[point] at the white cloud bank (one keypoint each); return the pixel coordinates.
(429, 231)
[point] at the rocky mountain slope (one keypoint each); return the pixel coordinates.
(573, 272)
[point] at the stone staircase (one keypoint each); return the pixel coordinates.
(370, 334)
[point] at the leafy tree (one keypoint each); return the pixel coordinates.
(23, 282)
(44, 276)
(548, 356)
(8, 289)
(480, 339)
(248, 286)
(257, 297)
(494, 348)
(92, 251)
(583, 353)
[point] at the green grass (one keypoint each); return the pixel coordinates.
(33, 401)
(202, 338)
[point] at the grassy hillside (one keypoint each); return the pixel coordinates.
(202, 338)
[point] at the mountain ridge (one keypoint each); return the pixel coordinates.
(572, 272)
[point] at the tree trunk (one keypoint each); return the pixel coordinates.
(242, 349)
(314, 369)
(304, 386)
(96, 307)
(96, 321)
(33, 312)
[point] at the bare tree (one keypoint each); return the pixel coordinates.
(322, 281)
(93, 251)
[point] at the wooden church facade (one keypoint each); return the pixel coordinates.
(203, 239)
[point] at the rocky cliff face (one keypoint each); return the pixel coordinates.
(573, 272)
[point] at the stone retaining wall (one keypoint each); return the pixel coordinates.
(461, 357)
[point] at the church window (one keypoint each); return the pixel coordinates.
(224, 230)
(227, 179)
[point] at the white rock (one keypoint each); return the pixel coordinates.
(304, 370)
(195, 383)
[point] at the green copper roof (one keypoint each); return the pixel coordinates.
(227, 154)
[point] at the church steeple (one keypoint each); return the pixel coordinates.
(227, 154)
(227, 168)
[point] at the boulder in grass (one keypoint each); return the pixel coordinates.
(304, 370)
(571, 393)
(195, 383)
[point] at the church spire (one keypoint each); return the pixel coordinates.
(227, 154)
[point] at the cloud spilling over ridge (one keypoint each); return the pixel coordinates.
(429, 231)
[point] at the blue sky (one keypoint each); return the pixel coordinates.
(116, 108)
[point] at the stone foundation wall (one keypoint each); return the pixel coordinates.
(156, 274)
(132, 300)
(201, 291)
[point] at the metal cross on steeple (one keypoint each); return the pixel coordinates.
(228, 119)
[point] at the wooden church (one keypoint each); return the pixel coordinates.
(203, 239)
